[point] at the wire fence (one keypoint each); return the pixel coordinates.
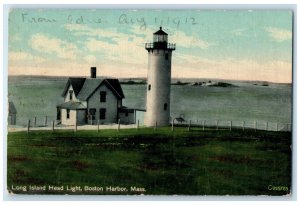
(45, 123)
(231, 124)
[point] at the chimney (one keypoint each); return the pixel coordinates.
(93, 72)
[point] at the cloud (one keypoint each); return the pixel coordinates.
(232, 69)
(58, 47)
(90, 59)
(127, 48)
(239, 31)
(180, 38)
(14, 38)
(183, 40)
(111, 45)
(79, 69)
(23, 56)
(278, 34)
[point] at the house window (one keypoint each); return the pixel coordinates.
(58, 114)
(167, 56)
(102, 113)
(149, 87)
(165, 106)
(71, 94)
(92, 113)
(68, 113)
(102, 96)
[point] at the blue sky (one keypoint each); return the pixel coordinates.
(236, 44)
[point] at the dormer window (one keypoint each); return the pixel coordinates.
(71, 94)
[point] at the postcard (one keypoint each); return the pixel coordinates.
(150, 102)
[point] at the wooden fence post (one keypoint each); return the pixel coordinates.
(173, 124)
(28, 126)
(75, 130)
(203, 125)
(52, 125)
(34, 121)
(243, 125)
(46, 121)
(189, 127)
(98, 122)
(119, 124)
(155, 127)
(230, 125)
(138, 125)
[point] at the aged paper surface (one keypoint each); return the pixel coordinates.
(153, 102)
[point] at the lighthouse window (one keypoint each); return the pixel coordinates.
(166, 56)
(165, 106)
(149, 87)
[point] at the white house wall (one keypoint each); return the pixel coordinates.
(72, 118)
(110, 105)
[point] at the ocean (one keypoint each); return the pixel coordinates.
(244, 101)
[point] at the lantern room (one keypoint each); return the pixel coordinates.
(160, 41)
(160, 36)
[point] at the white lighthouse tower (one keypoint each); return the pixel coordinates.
(159, 80)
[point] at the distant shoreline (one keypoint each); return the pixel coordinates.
(137, 80)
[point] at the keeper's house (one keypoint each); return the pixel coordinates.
(87, 100)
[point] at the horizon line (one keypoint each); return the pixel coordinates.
(57, 76)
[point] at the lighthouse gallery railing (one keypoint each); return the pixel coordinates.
(169, 46)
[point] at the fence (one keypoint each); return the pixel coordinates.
(202, 124)
(230, 125)
(45, 123)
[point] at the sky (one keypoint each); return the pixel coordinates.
(224, 44)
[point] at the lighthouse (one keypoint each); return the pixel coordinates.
(159, 80)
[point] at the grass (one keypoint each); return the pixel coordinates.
(162, 162)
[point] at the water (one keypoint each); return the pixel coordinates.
(38, 97)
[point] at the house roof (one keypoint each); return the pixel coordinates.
(76, 83)
(72, 105)
(11, 108)
(85, 87)
(116, 86)
(89, 86)
(179, 119)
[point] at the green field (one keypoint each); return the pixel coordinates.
(160, 162)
